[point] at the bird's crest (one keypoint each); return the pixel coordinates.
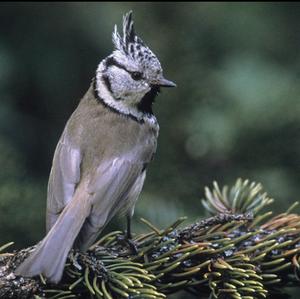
(130, 44)
(129, 37)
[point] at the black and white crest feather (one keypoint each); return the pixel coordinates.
(129, 37)
(131, 45)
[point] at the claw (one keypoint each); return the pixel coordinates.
(129, 243)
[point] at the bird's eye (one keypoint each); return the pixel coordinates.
(136, 75)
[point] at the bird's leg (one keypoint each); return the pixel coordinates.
(129, 235)
(127, 238)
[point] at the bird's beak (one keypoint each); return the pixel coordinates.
(164, 83)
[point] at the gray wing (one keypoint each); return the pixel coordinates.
(111, 187)
(64, 176)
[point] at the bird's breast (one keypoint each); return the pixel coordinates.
(102, 134)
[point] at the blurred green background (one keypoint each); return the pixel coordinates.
(235, 112)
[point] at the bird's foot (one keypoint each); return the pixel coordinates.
(129, 242)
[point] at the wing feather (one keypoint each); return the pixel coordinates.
(110, 188)
(64, 176)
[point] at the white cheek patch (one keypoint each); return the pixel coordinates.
(124, 88)
(127, 104)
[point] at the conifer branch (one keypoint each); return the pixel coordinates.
(239, 252)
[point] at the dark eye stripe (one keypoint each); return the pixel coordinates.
(107, 82)
(110, 61)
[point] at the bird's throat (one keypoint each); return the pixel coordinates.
(145, 105)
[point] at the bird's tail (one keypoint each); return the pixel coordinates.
(50, 255)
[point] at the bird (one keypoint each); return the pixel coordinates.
(100, 161)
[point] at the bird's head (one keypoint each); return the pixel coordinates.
(132, 75)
